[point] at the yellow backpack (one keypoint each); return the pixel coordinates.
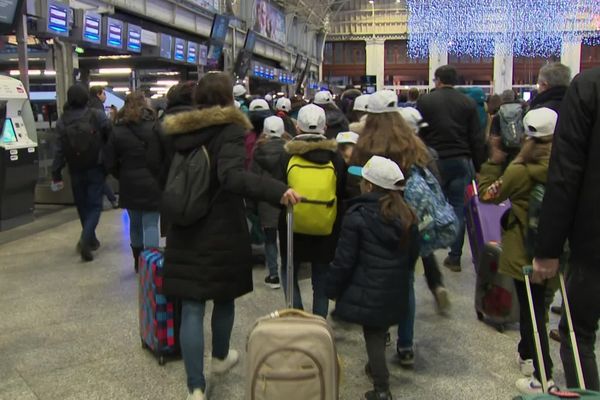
(317, 183)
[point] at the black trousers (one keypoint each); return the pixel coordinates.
(375, 341)
(433, 275)
(583, 293)
(527, 344)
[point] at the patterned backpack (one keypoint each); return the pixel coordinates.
(438, 225)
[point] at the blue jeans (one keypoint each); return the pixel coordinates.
(457, 174)
(143, 229)
(88, 189)
(406, 326)
(191, 336)
(318, 279)
(271, 251)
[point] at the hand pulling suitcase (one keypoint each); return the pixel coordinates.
(554, 393)
(495, 296)
(291, 353)
(159, 316)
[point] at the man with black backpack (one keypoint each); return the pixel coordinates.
(82, 132)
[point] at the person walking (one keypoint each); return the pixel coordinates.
(453, 131)
(569, 213)
(82, 133)
(210, 259)
(134, 156)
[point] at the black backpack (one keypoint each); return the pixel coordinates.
(512, 130)
(82, 142)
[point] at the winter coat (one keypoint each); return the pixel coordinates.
(134, 155)
(358, 127)
(288, 123)
(572, 198)
(257, 118)
(211, 259)
(319, 249)
(266, 162)
(478, 96)
(453, 129)
(551, 98)
(517, 181)
(99, 121)
(370, 274)
(336, 122)
(96, 104)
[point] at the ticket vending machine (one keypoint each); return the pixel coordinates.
(18, 155)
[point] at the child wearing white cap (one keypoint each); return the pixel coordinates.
(283, 107)
(371, 273)
(525, 175)
(346, 142)
(336, 120)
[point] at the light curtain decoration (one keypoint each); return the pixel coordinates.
(527, 27)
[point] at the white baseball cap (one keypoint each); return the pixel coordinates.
(323, 97)
(273, 126)
(239, 90)
(381, 172)
(383, 101)
(361, 102)
(540, 122)
(347, 137)
(412, 116)
(237, 104)
(311, 119)
(283, 104)
(268, 97)
(258, 104)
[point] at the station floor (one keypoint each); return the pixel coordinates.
(69, 330)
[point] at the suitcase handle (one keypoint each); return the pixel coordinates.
(291, 312)
(289, 284)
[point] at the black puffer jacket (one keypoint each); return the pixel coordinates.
(211, 259)
(370, 275)
(551, 98)
(336, 120)
(134, 155)
(266, 162)
(320, 249)
(570, 208)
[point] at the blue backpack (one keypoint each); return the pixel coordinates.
(438, 225)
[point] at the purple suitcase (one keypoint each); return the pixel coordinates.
(495, 297)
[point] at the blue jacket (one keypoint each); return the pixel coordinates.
(370, 275)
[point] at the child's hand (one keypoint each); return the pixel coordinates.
(493, 191)
(290, 197)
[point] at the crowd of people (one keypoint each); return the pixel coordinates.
(359, 155)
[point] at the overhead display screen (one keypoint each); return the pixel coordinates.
(192, 53)
(166, 46)
(219, 28)
(8, 13)
(134, 38)
(250, 40)
(179, 50)
(202, 54)
(114, 33)
(8, 132)
(214, 55)
(58, 18)
(92, 28)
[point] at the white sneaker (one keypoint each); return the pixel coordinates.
(222, 366)
(197, 394)
(531, 385)
(526, 366)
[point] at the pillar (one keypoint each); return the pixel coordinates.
(22, 50)
(503, 67)
(63, 64)
(571, 55)
(438, 56)
(375, 52)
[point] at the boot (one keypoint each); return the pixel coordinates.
(136, 257)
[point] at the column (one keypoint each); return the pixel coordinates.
(438, 56)
(571, 55)
(503, 67)
(22, 50)
(375, 52)
(63, 65)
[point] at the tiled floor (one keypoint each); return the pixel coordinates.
(70, 331)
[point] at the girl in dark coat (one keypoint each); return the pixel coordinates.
(210, 259)
(134, 156)
(372, 271)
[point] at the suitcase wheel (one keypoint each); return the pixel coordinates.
(479, 315)
(500, 328)
(144, 345)
(161, 360)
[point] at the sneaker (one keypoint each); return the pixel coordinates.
(526, 366)
(375, 395)
(273, 282)
(222, 366)
(442, 300)
(453, 264)
(531, 385)
(555, 335)
(197, 394)
(406, 356)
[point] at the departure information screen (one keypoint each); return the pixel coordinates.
(166, 43)
(179, 49)
(192, 53)
(92, 28)
(8, 9)
(58, 19)
(134, 38)
(114, 33)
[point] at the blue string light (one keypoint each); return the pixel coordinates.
(473, 27)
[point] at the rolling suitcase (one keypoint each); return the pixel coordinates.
(495, 296)
(159, 316)
(555, 393)
(291, 353)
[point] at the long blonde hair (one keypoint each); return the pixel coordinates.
(388, 135)
(535, 150)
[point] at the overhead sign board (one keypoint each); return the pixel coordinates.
(114, 33)
(92, 28)
(192, 53)
(166, 46)
(57, 21)
(134, 38)
(180, 49)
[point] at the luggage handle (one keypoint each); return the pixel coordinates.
(291, 312)
(289, 284)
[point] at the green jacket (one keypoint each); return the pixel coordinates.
(517, 181)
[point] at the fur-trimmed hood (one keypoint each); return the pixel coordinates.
(196, 120)
(300, 147)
